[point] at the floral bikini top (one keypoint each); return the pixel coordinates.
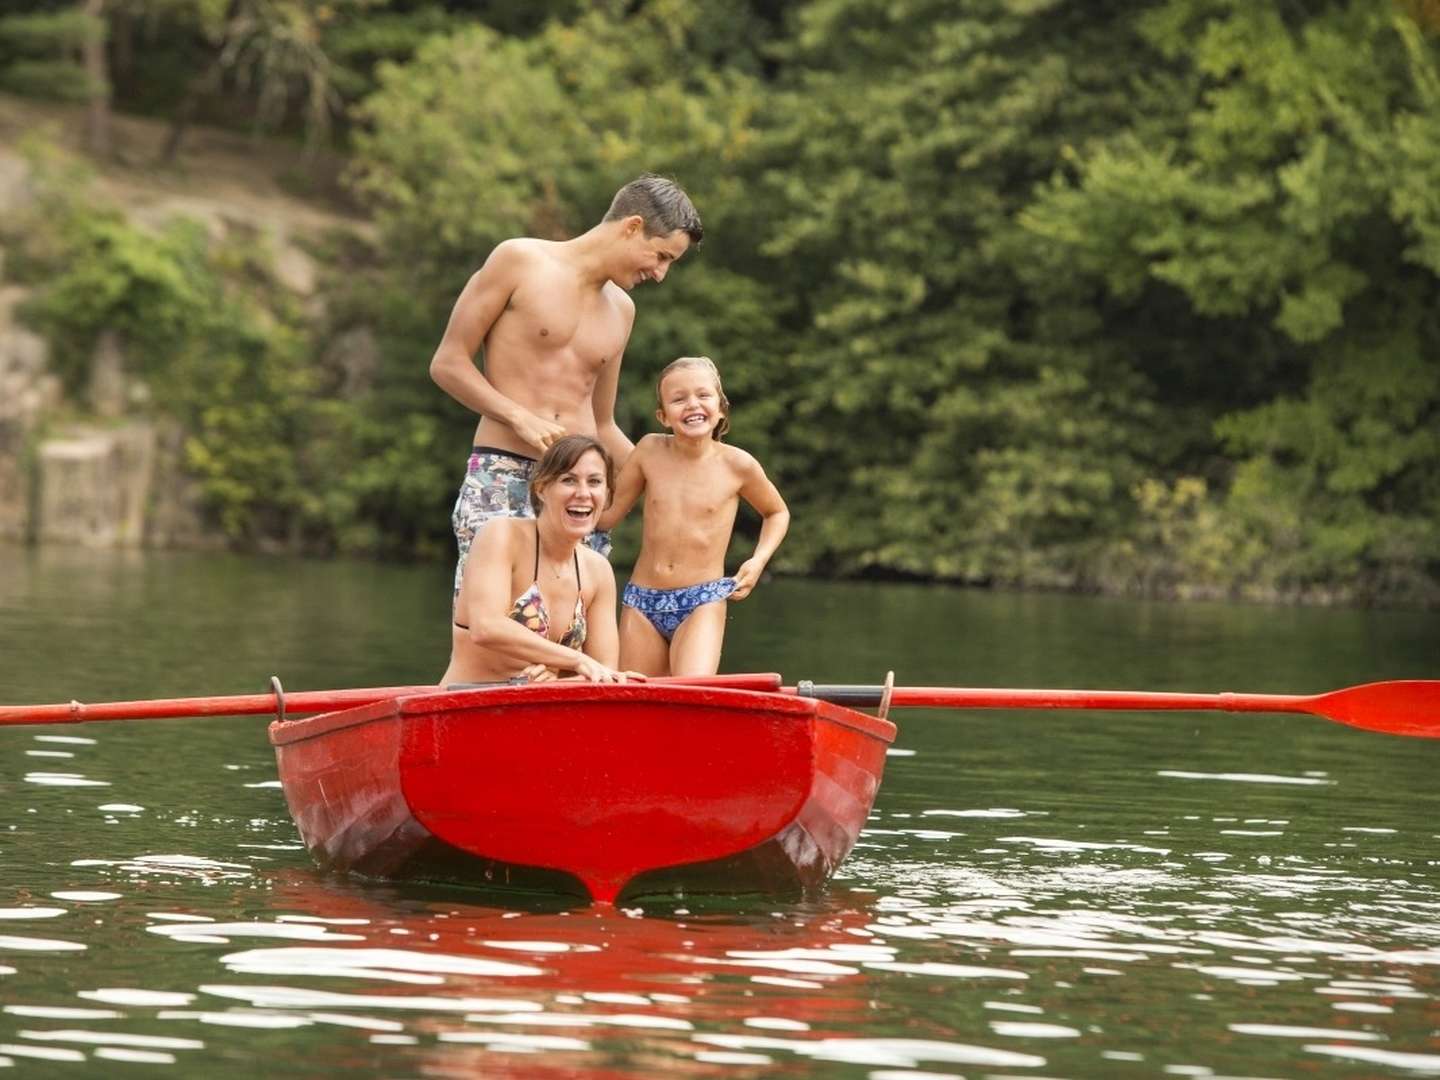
(530, 612)
(529, 607)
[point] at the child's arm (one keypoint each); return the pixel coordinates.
(602, 639)
(757, 490)
(628, 486)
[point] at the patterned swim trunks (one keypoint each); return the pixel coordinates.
(668, 608)
(497, 484)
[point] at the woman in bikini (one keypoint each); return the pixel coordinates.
(534, 601)
(673, 621)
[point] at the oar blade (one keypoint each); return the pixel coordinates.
(1401, 707)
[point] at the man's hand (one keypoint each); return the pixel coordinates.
(746, 578)
(537, 431)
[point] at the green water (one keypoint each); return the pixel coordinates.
(1038, 894)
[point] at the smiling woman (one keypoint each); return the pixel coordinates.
(535, 601)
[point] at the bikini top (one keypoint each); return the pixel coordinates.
(529, 607)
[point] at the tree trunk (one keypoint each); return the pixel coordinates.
(98, 75)
(203, 85)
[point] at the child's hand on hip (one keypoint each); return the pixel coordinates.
(746, 578)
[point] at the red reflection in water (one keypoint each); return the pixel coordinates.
(798, 966)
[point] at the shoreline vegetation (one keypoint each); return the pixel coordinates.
(1135, 302)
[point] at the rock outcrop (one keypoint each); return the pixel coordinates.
(28, 393)
(117, 476)
(94, 486)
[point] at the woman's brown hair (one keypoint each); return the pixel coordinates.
(563, 455)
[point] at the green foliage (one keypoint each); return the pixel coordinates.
(36, 52)
(1077, 293)
(216, 343)
(43, 32)
(1299, 182)
(150, 287)
(982, 278)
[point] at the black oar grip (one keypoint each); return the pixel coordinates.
(839, 693)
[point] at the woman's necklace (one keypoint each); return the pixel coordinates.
(557, 569)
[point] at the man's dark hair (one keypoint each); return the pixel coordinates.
(661, 204)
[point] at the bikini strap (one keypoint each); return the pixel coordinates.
(537, 551)
(577, 573)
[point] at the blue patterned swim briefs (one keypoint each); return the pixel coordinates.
(668, 608)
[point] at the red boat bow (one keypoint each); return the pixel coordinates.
(637, 785)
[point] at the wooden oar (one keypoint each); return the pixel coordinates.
(284, 702)
(1403, 707)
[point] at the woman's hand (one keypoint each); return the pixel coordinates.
(538, 673)
(592, 670)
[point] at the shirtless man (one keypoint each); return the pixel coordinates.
(553, 318)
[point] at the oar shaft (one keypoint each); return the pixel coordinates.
(954, 697)
(304, 701)
(1120, 700)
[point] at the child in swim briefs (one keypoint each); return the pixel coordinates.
(668, 608)
(693, 484)
(497, 484)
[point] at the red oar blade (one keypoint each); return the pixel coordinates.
(1402, 707)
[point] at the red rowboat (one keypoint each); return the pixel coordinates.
(638, 788)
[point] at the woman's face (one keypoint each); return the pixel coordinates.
(575, 498)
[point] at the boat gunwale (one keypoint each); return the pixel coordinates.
(284, 732)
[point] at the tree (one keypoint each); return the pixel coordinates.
(59, 52)
(1291, 203)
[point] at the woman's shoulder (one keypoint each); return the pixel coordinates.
(506, 532)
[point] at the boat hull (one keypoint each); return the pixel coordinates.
(597, 790)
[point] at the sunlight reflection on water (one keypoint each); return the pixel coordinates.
(1035, 895)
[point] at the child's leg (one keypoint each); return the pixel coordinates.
(642, 648)
(695, 648)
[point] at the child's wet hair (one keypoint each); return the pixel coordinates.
(563, 455)
(704, 363)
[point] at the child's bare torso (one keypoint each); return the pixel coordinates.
(690, 506)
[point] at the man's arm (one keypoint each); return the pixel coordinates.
(607, 388)
(453, 366)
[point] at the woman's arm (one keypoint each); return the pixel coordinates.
(757, 490)
(628, 486)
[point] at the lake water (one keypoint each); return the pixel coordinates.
(1037, 894)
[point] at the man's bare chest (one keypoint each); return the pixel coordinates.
(559, 319)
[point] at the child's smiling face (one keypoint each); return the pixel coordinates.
(690, 402)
